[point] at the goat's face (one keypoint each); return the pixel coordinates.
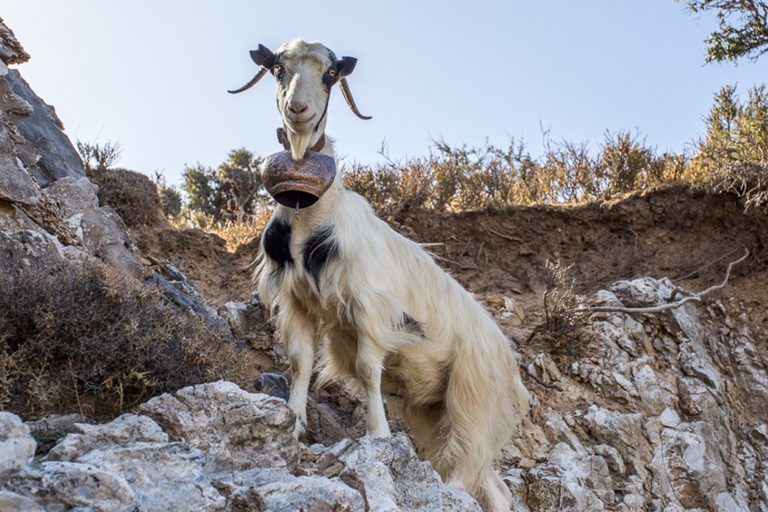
(305, 73)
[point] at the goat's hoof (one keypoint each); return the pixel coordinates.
(301, 427)
(380, 433)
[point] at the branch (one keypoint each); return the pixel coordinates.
(506, 237)
(674, 305)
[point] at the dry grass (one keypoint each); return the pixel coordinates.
(240, 230)
(455, 179)
(87, 339)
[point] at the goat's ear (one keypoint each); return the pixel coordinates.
(263, 57)
(345, 66)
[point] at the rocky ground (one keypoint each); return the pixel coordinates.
(660, 412)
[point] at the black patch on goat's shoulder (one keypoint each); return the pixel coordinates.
(277, 243)
(319, 250)
(411, 326)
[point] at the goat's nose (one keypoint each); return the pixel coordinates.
(297, 107)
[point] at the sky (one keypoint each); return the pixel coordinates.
(153, 74)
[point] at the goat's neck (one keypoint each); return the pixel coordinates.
(313, 216)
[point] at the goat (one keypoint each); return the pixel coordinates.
(383, 310)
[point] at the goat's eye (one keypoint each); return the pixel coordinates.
(276, 68)
(332, 72)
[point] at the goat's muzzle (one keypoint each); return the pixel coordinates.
(298, 183)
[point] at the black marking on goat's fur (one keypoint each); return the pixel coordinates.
(319, 250)
(411, 326)
(277, 243)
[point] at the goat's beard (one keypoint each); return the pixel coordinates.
(300, 142)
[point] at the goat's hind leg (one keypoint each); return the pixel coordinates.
(299, 335)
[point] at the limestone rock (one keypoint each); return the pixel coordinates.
(390, 476)
(17, 447)
(240, 429)
(76, 484)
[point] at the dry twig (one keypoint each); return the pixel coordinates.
(539, 381)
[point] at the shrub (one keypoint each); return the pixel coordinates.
(229, 191)
(131, 194)
(461, 178)
(88, 339)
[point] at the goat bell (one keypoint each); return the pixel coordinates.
(298, 183)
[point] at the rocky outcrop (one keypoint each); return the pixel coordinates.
(42, 129)
(662, 412)
(215, 447)
(49, 213)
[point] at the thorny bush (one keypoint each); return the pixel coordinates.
(87, 339)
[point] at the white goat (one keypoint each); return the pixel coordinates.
(384, 311)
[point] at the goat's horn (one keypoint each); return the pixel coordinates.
(344, 86)
(259, 75)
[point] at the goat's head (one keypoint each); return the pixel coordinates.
(305, 74)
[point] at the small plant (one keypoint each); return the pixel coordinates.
(100, 157)
(565, 316)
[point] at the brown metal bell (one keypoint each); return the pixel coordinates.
(298, 183)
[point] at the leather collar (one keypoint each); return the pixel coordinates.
(282, 138)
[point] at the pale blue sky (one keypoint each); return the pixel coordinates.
(153, 74)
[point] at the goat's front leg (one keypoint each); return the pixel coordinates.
(369, 365)
(298, 335)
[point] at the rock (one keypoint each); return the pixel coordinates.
(76, 484)
(128, 428)
(106, 238)
(29, 249)
(390, 476)
(183, 296)
(43, 130)
(279, 491)
(161, 474)
(102, 232)
(274, 384)
(669, 418)
(16, 185)
(244, 318)
(11, 51)
(240, 430)
(12, 502)
(516, 309)
(17, 447)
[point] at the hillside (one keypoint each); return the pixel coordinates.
(664, 411)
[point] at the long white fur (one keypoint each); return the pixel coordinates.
(453, 379)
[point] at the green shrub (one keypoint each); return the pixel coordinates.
(733, 155)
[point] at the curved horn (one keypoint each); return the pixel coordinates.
(344, 86)
(259, 75)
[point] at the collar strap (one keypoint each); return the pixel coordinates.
(282, 138)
